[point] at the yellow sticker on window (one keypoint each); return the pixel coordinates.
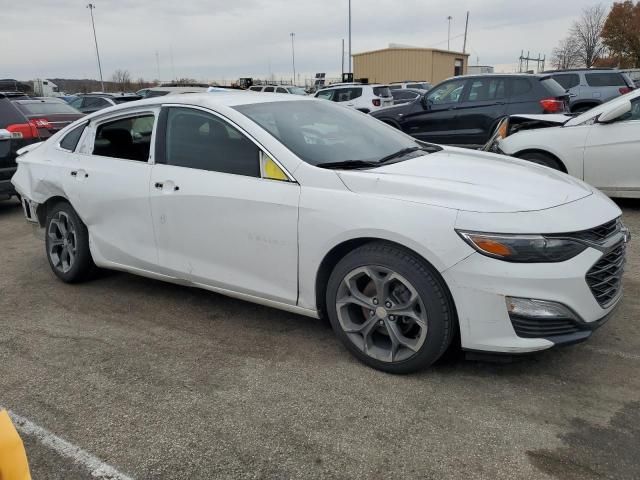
(272, 171)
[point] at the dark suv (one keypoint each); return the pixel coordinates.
(465, 110)
(589, 88)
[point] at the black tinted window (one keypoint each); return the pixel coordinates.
(347, 94)
(281, 90)
(520, 87)
(157, 93)
(196, 139)
(9, 114)
(553, 87)
(268, 89)
(487, 89)
(71, 139)
(95, 102)
(126, 138)
(605, 80)
(567, 81)
(404, 95)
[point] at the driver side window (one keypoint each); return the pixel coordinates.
(449, 92)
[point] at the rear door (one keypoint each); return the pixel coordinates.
(482, 106)
(107, 181)
(437, 121)
(604, 86)
(612, 154)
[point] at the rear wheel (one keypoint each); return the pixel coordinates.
(542, 158)
(67, 244)
(390, 308)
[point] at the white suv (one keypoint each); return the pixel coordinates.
(426, 86)
(363, 97)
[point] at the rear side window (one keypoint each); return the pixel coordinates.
(487, 89)
(553, 87)
(281, 90)
(71, 139)
(255, 89)
(520, 87)
(157, 93)
(381, 91)
(347, 94)
(567, 81)
(605, 80)
(268, 89)
(202, 141)
(126, 138)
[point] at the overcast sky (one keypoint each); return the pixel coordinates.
(227, 39)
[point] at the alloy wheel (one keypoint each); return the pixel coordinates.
(381, 313)
(63, 242)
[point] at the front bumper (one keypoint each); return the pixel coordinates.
(480, 285)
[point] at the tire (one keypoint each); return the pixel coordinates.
(543, 159)
(67, 244)
(368, 327)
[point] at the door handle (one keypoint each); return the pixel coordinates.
(159, 185)
(74, 174)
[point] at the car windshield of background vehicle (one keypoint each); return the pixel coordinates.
(320, 133)
(46, 108)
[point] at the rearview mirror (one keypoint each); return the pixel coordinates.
(4, 134)
(615, 113)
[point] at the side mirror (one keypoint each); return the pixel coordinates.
(4, 134)
(615, 113)
(427, 102)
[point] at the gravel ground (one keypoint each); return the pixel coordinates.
(166, 382)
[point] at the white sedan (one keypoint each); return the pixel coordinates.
(310, 207)
(601, 146)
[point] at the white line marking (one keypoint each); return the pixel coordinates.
(96, 467)
(612, 353)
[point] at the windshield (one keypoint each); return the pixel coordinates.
(46, 108)
(297, 91)
(320, 132)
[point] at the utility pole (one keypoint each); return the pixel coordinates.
(466, 29)
(449, 33)
(350, 64)
(91, 6)
(293, 57)
(342, 59)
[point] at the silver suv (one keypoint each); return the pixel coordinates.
(590, 87)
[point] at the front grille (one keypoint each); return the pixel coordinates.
(605, 277)
(541, 327)
(597, 234)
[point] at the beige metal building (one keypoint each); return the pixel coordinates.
(398, 63)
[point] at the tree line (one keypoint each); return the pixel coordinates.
(602, 39)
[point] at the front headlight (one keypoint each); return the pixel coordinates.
(523, 248)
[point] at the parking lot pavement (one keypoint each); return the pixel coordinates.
(162, 381)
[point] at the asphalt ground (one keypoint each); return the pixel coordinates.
(165, 382)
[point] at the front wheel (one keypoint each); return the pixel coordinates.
(390, 308)
(67, 244)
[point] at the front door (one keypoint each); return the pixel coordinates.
(218, 220)
(437, 122)
(482, 106)
(612, 154)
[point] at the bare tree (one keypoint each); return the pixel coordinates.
(586, 33)
(565, 55)
(122, 78)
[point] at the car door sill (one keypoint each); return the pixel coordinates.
(223, 291)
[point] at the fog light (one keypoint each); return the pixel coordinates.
(531, 308)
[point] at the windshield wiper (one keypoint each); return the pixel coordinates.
(398, 154)
(348, 164)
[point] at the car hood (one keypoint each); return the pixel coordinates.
(558, 119)
(469, 180)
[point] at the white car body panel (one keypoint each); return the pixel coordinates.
(603, 155)
(264, 241)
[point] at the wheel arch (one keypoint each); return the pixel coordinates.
(561, 164)
(44, 207)
(339, 251)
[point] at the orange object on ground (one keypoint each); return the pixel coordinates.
(13, 459)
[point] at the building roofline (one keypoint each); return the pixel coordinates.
(438, 50)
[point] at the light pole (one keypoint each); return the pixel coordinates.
(350, 70)
(91, 6)
(293, 57)
(449, 33)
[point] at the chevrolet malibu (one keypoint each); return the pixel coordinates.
(310, 207)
